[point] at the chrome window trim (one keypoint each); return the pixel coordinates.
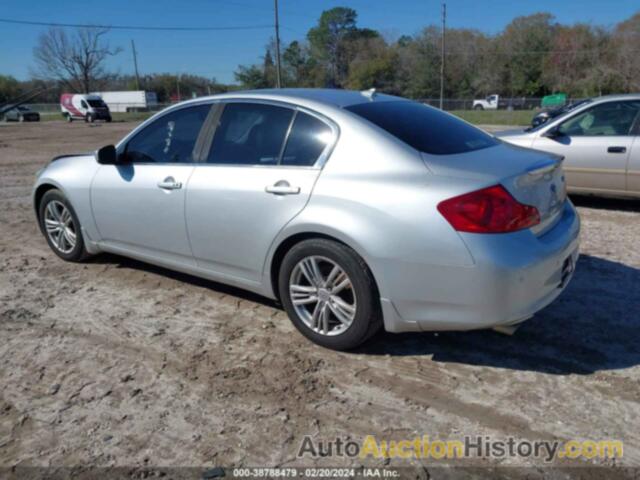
(320, 161)
(589, 106)
(318, 165)
(157, 116)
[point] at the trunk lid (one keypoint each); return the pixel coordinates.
(532, 177)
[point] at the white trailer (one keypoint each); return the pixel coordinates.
(129, 101)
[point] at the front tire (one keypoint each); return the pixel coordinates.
(61, 227)
(329, 294)
(478, 107)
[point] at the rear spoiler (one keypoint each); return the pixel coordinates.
(546, 167)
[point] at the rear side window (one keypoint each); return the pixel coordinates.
(169, 139)
(424, 128)
(307, 140)
(250, 134)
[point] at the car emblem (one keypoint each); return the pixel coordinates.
(553, 201)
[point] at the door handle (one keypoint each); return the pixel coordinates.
(169, 183)
(617, 149)
(282, 188)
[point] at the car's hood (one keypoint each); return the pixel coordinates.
(514, 132)
(89, 155)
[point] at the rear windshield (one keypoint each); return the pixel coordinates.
(424, 128)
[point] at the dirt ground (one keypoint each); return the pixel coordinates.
(118, 363)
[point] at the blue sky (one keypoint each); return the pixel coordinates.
(217, 54)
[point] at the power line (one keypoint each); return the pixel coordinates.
(134, 27)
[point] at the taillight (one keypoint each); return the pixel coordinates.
(490, 210)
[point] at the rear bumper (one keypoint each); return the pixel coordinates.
(513, 276)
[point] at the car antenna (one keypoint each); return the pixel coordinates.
(370, 94)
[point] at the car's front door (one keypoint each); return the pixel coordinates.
(139, 205)
(595, 143)
(633, 171)
(259, 172)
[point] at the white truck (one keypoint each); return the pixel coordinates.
(488, 103)
(495, 102)
(129, 101)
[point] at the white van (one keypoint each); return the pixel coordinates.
(84, 107)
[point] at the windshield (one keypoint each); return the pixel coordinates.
(23, 109)
(563, 112)
(96, 103)
(424, 128)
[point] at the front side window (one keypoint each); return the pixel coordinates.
(424, 128)
(250, 134)
(169, 139)
(307, 140)
(606, 119)
(84, 104)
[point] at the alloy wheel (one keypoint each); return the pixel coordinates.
(60, 228)
(322, 295)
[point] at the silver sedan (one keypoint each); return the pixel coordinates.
(355, 210)
(600, 141)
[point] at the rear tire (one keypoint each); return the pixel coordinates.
(333, 317)
(61, 227)
(69, 118)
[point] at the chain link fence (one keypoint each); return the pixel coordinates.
(510, 111)
(505, 103)
(449, 104)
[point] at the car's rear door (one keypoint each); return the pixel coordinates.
(595, 144)
(260, 169)
(139, 206)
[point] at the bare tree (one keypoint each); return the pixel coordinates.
(76, 60)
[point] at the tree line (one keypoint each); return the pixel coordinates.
(532, 56)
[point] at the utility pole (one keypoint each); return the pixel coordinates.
(135, 64)
(444, 23)
(278, 84)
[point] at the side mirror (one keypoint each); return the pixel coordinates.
(107, 155)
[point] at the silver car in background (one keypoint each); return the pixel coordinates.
(600, 143)
(355, 210)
